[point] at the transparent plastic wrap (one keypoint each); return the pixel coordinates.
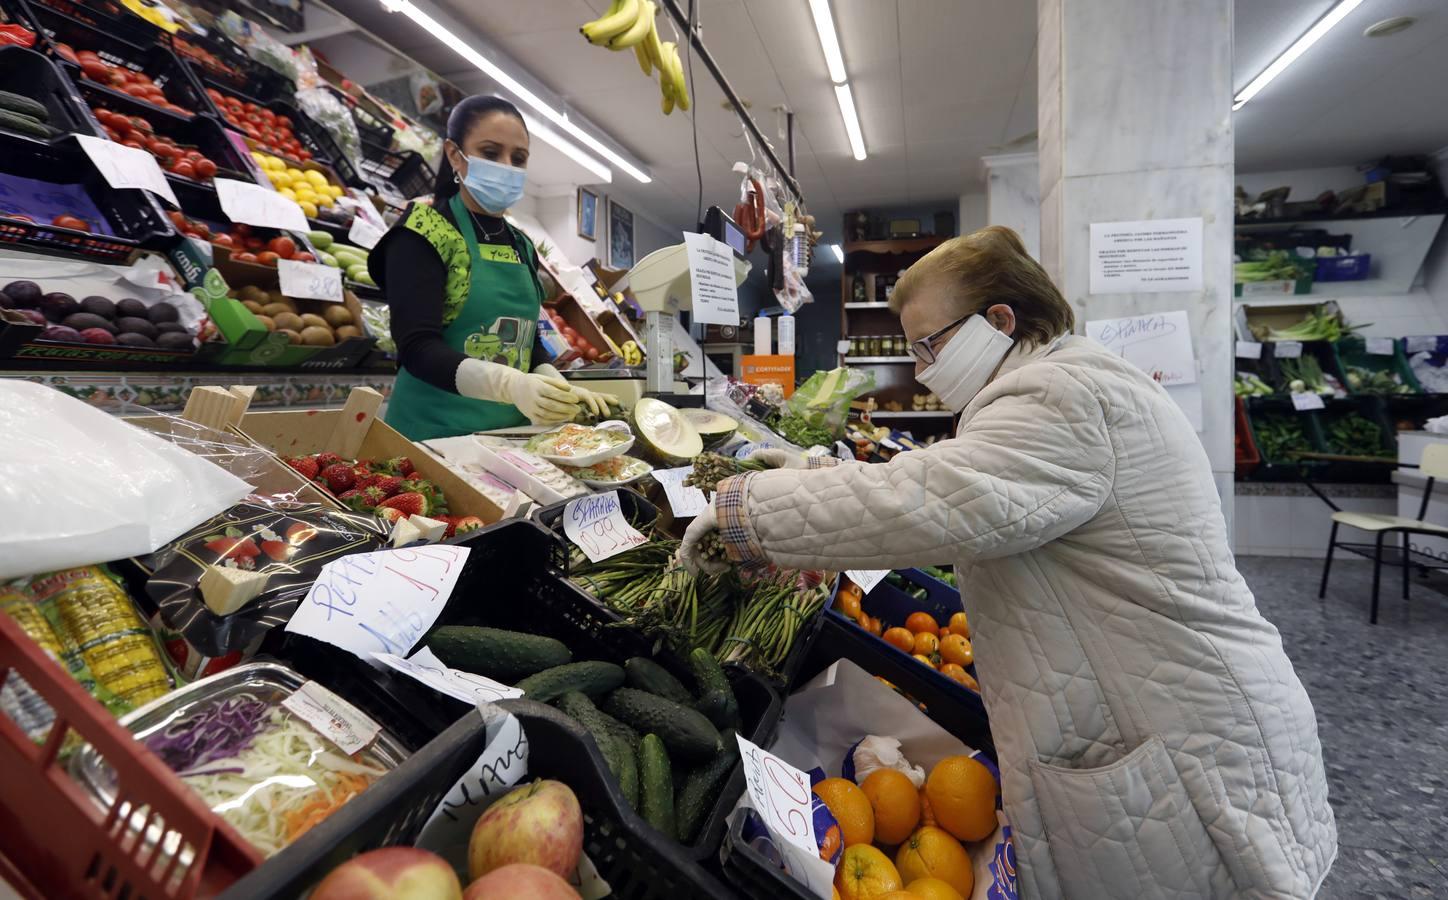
(322, 106)
(736, 400)
(259, 45)
(268, 478)
(97, 487)
(816, 412)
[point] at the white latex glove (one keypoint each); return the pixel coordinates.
(779, 458)
(704, 523)
(544, 399)
(595, 402)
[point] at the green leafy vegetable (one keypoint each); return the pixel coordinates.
(1281, 438)
(1354, 435)
(1366, 381)
(1249, 384)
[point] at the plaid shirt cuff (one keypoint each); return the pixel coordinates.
(820, 462)
(730, 498)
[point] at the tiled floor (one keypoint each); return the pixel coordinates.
(1381, 695)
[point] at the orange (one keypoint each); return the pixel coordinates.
(897, 895)
(895, 802)
(866, 874)
(926, 643)
(932, 889)
(921, 657)
(926, 816)
(957, 649)
(922, 622)
(932, 853)
(848, 602)
(851, 809)
(960, 624)
(944, 633)
(875, 626)
(834, 893)
(900, 638)
(963, 797)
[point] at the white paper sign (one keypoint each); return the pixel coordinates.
(334, 718)
(867, 578)
(1307, 401)
(1381, 346)
(381, 602)
(127, 167)
(311, 281)
(1159, 344)
(1146, 257)
(711, 278)
(1420, 343)
(780, 794)
(363, 233)
(595, 523)
(253, 204)
(431, 671)
(1287, 349)
(1249, 350)
(683, 501)
(1188, 397)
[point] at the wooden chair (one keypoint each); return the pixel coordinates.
(1434, 465)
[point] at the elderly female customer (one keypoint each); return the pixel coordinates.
(1153, 738)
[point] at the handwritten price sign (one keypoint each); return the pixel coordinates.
(253, 204)
(127, 167)
(780, 794)
(465, 686)
(364, 233)
(380, 602)
(684, 501)
(303, 280)
(595, 523)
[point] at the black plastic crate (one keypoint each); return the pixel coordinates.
(639, 512)
(405, 170)
(216, 57)
(134, 218)
(108, 16)
(31, 74)
(1375, 410)
(316, 139)
(370, 128)
(1272, 468)
(625, 850)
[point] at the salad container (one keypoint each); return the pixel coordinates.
(582, 445)
(242, 740)
(614, 472)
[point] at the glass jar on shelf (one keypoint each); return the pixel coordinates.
(875, 346)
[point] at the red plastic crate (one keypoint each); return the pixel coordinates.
(62, 843)
(1248, 459)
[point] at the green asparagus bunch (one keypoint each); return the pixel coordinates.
(712, 468)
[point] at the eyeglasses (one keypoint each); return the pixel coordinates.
(923, 351)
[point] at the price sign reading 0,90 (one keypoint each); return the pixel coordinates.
(597, 526)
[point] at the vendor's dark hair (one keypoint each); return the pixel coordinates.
(459, 122)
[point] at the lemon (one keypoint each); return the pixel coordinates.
(317, 178)
(309, 209)
(306, 194)
(259, 157)
(295, 173)
(278, 179)
(324, 200)
(335, 190)
(287, 192)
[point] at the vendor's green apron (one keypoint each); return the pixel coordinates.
(495, 323)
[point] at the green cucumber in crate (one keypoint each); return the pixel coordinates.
(683, 730)
(25, 106)
(647, 675)
(656, 785)
(617, 750)
(496, 653)
(24, 124)
(716, 697)
(701, 787)
(591, 677)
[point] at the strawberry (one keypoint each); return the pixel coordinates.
(390, 485)
(233, 548)
(301, 532)
(465, 524)
(373, 496)
(339, 477)
(405, 467)
(365, 482)
(409, 504)
(390, 515)
(277, 550)
(450, 522)
(306, 466)
(325, 460)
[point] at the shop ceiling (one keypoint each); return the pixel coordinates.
(938, 84)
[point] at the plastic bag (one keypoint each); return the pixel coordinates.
(82, 485)
(723, 396)
(823, 401)
(316, 100)
(873, 752)
(426, 95)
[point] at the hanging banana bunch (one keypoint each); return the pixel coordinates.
(631, 23)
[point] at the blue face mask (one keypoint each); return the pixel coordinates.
(495, 186)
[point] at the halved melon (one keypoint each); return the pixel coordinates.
(665, 432)
(714, 428)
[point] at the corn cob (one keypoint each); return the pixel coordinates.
(97, 615)
(31, 620)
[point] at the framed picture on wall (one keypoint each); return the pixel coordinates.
(620, 236)
(587, 214)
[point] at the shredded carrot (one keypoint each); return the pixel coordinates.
(323, 803)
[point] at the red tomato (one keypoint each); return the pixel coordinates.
(241, 230)
(304, 257)
(255, 244)
(267, 258)
(96, 70)
(303, 155)
(69, 221)
(205, 168)
(132, 142)
(244, 257)
(177, 218)
(214, 94)
(140, 124)
(284, 247)
(66, 52)
(221, 240)
(202, 229)
(184, 169)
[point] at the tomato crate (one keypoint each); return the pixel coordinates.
(312, 137)
(33, 75)
(217, 58)
(122, 69)
(625, 850)
(405, 170)
(108, 16)
(39, 184)
(61, 842)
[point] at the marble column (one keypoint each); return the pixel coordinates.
(1013, 195)
(1135, 123)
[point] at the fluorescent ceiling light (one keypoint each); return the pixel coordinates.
(1299, 47)
(839, 252)
(829, 41)
(549, 136)
(515, 87)
(852, 120)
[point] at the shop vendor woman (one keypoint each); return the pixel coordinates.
(1153, 738)
(463, 287)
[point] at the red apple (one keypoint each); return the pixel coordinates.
(539, 823)
(392, 873)
(518, 880)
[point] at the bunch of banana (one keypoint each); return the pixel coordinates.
(630, 23)
(632, 355)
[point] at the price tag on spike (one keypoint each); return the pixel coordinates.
(1287, 349)
(1307, 402)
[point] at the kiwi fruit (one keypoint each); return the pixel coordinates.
(318, 336)
(172, 328)
(337, 316)
(283, 299)
(132, 339)
(256, 308)
(311, 319)
(252, 292)
(137, 325)
(172, 340)
(292, 336)
(348, 331)
(99, 306)
(82, 320)
(287, 321)
(163, 312)
(275, 309)
(131, 307)
(268, 321)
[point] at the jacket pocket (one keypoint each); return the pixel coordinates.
(1126, 830)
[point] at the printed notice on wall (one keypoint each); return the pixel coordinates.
(711, 275)
(1159, 344)
(1146, 257)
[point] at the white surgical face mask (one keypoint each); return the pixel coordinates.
(964, 365)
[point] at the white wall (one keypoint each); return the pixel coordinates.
(972, 213)
(558, 214)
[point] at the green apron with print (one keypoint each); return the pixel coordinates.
(495, 323)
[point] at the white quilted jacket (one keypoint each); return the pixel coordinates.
(1154, 740)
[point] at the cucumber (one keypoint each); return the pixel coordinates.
(716, 697)
(647, 675)
(701, 788)
(620, 731)
(13, 121)
(592, 678)
(685, 731)
(25, 106)
(656, 785)
(495, 653)
(320, 239)
(617, 750)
